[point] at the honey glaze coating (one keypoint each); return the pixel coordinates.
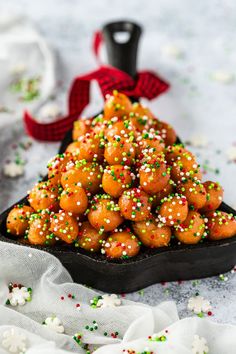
(152, 233)
(173, 209)
(121, 244)
(166, 131)
(84, 174)
(18, 220)
(64, 226)
(154, 175)
(104, 213)
(185, 166)
(150, 143)
(221, 225)
(141, 118)
(120, 152)
(81, 127)
(168, 189)
(44, 195)
(88, 147)
(99, 125)
(214, 196)
(142, 111)
(90, 238)
(191, 230)
(116, 179)
(39, 232)
(194, 191)
(74, 200)
(117, 105)
(173, 152)
(60, 163)
(118, 129)
(135, 204)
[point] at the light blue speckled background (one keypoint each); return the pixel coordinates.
(196, 104)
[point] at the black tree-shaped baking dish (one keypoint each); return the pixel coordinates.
(150, 266)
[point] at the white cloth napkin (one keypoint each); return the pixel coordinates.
(136, 323)
(24, 54)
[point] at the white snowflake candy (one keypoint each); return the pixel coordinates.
(231, 153)
(18, 69)
(199, 141)
(199, 345)
(223, 76)
(14, 341)
(19, 296)
(172, 50)
(55, 324)
(109, 301)
(49, 113)
(198, 304)
(12, 169)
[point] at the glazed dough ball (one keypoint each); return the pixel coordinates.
(173, 152)
(185, 166)
(81, 127)
(168, 189)
(39, 231)
(116, 179)
(65, 226)
(151, 234)
(150, 144)
(221, 225)
(191, 230)
(142, 111)
(121, 129)
(121, 245)
(74, 200)
(167, 133)
(57, 165)
(214, 196)
(141, 119)
(88, 147)
(89, 238)
(120, 152)
(135, 204)
(99, 126)
(173, 210)
(44, 195)
(104, 214)
(154, 176)
(84, 174)
(194, 191)
(18, 220)
(117, 105)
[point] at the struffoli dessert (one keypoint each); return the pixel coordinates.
(124, 184)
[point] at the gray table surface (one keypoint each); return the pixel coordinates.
(186, 42)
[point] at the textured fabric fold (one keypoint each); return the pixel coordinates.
(120, 329)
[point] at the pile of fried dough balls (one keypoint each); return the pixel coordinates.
(122, 184)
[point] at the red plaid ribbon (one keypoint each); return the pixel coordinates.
(147, 84)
